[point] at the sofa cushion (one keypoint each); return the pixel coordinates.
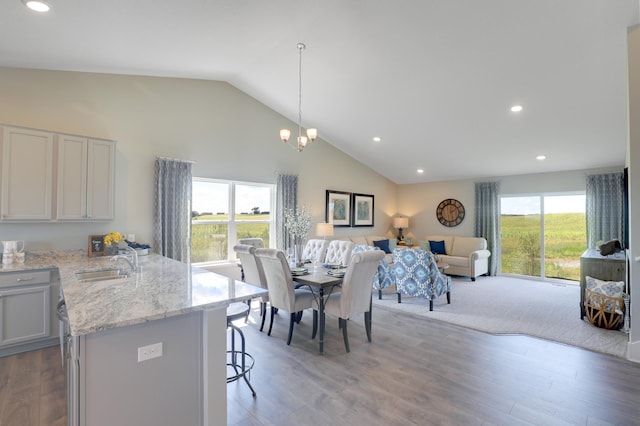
(361, 240)
(448, 241)
(371, 238)
(463, 246)
(460, 261)
(437, 247)
(383, 245)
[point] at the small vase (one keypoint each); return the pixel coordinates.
(298, 254)
(111, 249)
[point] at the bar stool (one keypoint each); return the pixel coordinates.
(240, 361)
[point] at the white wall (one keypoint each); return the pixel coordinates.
(229, 135)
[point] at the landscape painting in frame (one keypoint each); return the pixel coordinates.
(362, 210)
(338, 208)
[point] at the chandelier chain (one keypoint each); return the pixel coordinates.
(301, 47)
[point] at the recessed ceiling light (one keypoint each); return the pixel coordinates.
(541, 157)
(377, 139)
(37, 5)
(420, 171)
(516, 108)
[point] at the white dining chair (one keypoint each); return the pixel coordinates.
(256, 242)
(339, 251)
(253, 274)
(282, 292)
(355, 297)
(315, 249)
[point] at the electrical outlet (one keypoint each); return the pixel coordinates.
(149, 352)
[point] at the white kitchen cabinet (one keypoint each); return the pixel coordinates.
(27, 174)
(85, 184)
(25, 308)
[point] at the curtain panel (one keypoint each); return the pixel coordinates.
(487, 211)
(172, 209)
(606, 211)
(286, 198)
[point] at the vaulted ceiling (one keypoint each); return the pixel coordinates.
(435, 80)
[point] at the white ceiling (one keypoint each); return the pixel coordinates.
(434, 79)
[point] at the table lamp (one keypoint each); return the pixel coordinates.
(324, 229)
(400, 223)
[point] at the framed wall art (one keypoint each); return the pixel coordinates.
(362, 205)
(338, 208)
(96, 245)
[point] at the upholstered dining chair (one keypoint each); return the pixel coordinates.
(256, 242)
(416, 274)
(355, 297)
(339, 251)
(253, 274)
(315, 249)
(384, 276)
(282, 292)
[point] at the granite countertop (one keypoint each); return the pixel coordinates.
(164, 287)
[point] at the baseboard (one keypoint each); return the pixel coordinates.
(633, 351)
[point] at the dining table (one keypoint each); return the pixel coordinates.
(322, 283)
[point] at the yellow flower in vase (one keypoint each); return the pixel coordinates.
(112, 241)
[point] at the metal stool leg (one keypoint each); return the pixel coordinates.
(242, 369)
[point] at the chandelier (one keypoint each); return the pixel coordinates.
(312, 134)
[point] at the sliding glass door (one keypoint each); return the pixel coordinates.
(543, 235)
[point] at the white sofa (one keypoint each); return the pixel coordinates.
(466, 256)
(368, 240)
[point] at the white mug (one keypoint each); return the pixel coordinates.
(7, 258)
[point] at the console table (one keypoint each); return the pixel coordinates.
(607, 268)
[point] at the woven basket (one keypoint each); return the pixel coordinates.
(601, 310)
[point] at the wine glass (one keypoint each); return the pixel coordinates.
(289, 255)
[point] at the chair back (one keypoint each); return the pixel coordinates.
(256, 242)
(315, 249)
(278, 277)
(251, 266)
(355, 296)
(416, 273)
(339, 251)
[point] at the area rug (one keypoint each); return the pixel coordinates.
(505, 305)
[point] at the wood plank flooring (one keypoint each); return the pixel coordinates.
(415, 372)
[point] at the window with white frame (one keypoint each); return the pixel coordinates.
(224, 211)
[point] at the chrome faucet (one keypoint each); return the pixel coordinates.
(135, 267)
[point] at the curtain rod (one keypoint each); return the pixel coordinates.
(176, 159)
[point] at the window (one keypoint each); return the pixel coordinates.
(543, 235)
(225, 211)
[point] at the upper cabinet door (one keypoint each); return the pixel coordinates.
(72, 178)
(27, 174)
(101, 160)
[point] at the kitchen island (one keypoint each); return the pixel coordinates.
(147, 349)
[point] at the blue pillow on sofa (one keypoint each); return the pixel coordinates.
(437, 247)
(382, 245)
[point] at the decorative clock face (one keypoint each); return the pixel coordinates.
(450, 212)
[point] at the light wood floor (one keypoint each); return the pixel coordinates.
(416, 371)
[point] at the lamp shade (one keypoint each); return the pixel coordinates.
(324, 229)
(401, 222)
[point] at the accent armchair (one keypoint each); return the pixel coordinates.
(417, 274)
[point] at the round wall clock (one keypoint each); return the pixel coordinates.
(450, 212)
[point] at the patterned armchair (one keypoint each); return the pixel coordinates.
(385, 276)
(416, 274)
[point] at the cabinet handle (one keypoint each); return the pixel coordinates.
(24, 279)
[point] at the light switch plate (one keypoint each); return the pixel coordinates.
(149, 352)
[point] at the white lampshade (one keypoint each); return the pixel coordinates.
(324, 229)
(401, 222)
(312, 134)
(285, 134)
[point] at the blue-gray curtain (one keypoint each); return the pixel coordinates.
(486, 221)
(286, 198)
(606, 211)
(172, 209)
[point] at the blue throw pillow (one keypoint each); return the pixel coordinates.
(382, 245)
(437, 247)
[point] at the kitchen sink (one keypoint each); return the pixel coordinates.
(102, 274)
